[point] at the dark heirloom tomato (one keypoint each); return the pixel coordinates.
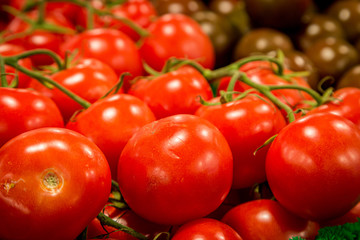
(332, 56)
(268, 220)
(90, 79)
(261, 41)
(109, 46)
(345, 104)
(175, 169)
(111, 122)
(187, 7)
(22, 110)
(206, 228)
(176, 35)
(246, 124)
(347, 12)
(351, 78)
(53, 182)
(319, 26)
(8, 49)
(173, 93)
(281, 14)
(313, 165)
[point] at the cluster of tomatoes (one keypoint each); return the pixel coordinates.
(159, 119)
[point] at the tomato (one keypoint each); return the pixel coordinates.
(176, 35)
(141, 12)
(206, 228)
(345, 104)
(109, 46)
(22, 110)
(350, 217)
(173, 93)
(127, 218)
(51, 176)
(312, 166)
(90, 79)
(8, 49)
(116, 119)
(267, 219)
(261, 72)
(175, 169)
(246, 124)
(39, 38)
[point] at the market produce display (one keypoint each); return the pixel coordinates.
(179, 119)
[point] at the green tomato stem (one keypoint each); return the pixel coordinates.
(41, 12)
(4, 82)
(12, 61)
(105, 220)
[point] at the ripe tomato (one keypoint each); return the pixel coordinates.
(173, 93)
(109, 46)
(22, 110)
(206, 228)
(116, 119)
(8, 49)
(346, 104)
(261, 72)
(39, 38)
(268, 220)
(246, 124)
(141, 12)
(90, 79)
(176, 35)
(127, 218)
(313, 164)
(52, 176)
(175, 169)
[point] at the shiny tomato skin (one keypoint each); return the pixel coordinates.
(22, 110)
(48, 177)
(261, 72)
(110, 46)
(116, 119)
(176, 35)
(141, 12)
(316, 157)
(246, 124)
(206, 228)
(180, 169)
(90, 79)
(176, 92)
(8, 49)
(346, 103)
(267, 220)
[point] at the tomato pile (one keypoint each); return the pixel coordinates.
(178, 119)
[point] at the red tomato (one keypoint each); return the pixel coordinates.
(347, 104)
(246, 124)
(141, 12)
(90, 79)
(39, 38)
(176, 35)
(350, 217)
(175, 169)
(313, 164)
(127, 218)
(109, 46)
(206, 228)
(8, 49)
(267, 220)
(173, 93)
(22, 110)
(116, 119)
(261, 72)
(53, 183)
